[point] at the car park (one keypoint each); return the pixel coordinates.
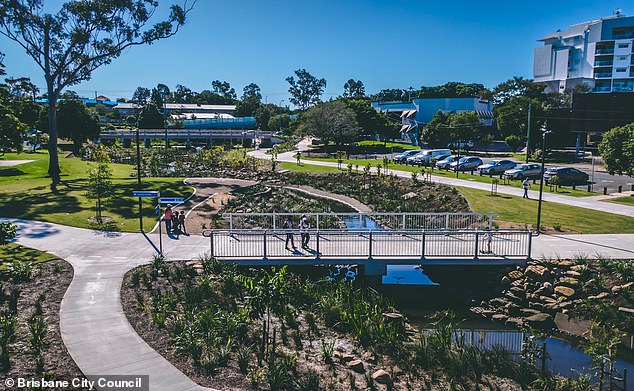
(401, 158)
(521, 171)
(496, 167)
(425, 157)
(445, 163)
(566, 176)
(466, 163)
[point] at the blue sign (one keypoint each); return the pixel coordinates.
(142, 194)
(172, 200)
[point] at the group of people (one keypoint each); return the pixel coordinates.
(174, 221)
(303, 230)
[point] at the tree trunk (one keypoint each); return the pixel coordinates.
(53, 162)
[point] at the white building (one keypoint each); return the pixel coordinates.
(598, 54)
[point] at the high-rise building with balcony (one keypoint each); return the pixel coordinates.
(598, 54)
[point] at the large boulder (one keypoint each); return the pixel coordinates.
(619, 288)
(568, 281)
(356, 365)
(381, 376)
(540, 321)
(565, 291)
(537, 273)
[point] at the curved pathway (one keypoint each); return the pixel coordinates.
(582, 202)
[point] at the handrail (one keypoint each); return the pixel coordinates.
(260, 231)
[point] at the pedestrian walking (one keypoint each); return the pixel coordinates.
(303, 229)
(288, 224)
(525, 185)
(181, 223)
(168, 218)
(299, 157)
(175, 225)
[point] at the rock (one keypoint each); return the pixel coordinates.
(537, 273)
(397, 371)
(515, 275)
(382, 377)
(505, 281)
(369, 357)
(529, 311)
(499, 317)
(541, 320)
(514, 322)
(356, 365)
(409, 195)
(569, 281)
(600, 296)
(517, 283)
(565, 263)
(344, 357)
(618, 288)
(517, 291)
(574, 326)
(572, 273)
(578, 268)
(565, 291)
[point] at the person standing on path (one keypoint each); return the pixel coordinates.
(299, 157)
(181, 223)
(168, 218)
(288, 224)
(303, 229)
(525, 184)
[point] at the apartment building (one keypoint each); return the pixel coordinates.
(598, 54)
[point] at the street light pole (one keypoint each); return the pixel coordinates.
(545, 131)
(138, 176)
(528, 133)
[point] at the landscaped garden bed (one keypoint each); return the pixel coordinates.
(32, 285)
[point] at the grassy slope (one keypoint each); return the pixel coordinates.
(25, 193)
(570, 218)
(484, 179)
(10, 252)
(629, 200)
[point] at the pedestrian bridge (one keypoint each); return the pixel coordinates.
(373, 249)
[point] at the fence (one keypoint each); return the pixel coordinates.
(348, 244)
(362, 221)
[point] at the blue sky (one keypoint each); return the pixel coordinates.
(385, 44)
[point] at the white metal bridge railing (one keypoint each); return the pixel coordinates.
(374, 220)
(344, 244)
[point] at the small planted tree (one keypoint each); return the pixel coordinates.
(7, 232)
(100, 182)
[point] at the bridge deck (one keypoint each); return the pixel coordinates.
(446, 247)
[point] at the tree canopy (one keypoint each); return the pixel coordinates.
(75, 122)
(354, 89)
(370, 121)
(150, 117)
(447, 128)
(617, 150)
(331, 122)
(81, 37)
(306, 90)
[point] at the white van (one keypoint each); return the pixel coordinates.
(425, 157)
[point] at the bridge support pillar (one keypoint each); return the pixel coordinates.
(374, 268)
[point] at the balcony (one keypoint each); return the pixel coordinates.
(602, 75)
(603, 63)
(602, 89)
(601, 52)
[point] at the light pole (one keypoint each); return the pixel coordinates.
(138, 176)
(545, 131)
(528, 133)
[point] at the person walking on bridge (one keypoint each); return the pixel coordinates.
(288, 225)
(303, 229)
(168, 218)
(525, 184)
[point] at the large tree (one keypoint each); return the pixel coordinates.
(75, 122)
(12, 130)
(141, 95)
(306, 90)
(617, 150)
(225, 90)
(251, 91)
(354, 89)
(370, 121)
(150, 117)
(331, 122)
(82, 36)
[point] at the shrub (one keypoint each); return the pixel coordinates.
(20, 271)
(7, 232)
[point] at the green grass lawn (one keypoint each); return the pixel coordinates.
(305, 167)
(569, 218)
(628, 200)
(25, 192)
(10, 252)
(466, 176)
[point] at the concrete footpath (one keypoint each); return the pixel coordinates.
(95, 329)
(592, 202)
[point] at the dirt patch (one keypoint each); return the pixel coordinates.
(46, 286)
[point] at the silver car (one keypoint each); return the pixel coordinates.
(521, 171)
(495, 167)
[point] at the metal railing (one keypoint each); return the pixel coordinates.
(363, 221)
(186, 133)
(368, 244)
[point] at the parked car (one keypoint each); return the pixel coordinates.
(566, 176)
(412, 159)
(462, 144)
(495, 167)
(466, 163)
(400, 158)
(521, 171)
(426, 156)
(445, 163)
